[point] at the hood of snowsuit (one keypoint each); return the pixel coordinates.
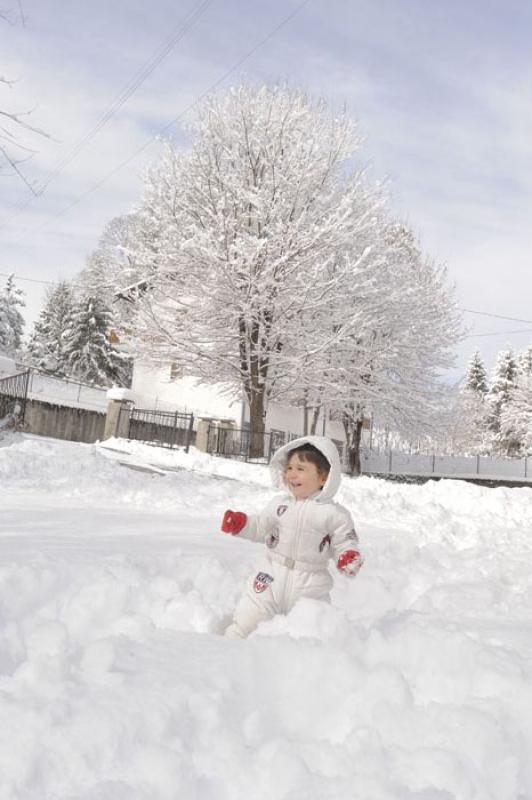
(325, 446)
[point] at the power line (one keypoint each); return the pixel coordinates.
(496, 316)
(498, 333)
(138, 79)
(20, 278)
(163, 130)
(144, 72)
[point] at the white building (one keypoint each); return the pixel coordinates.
(159, 388)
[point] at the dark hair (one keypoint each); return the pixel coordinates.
(307, 452)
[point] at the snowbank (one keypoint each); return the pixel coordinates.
(414, 684)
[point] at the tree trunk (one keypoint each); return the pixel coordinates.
(315, 418)
(257, 445)
(353, 435)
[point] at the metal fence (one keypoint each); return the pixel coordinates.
(170, 429)
(13, 396)
(244, 444)
(393, 463)
(259, 447)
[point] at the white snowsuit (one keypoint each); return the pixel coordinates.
(301, 536)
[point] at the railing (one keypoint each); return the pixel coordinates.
(259, 447)
(171, 429)
(393, 463)
(13, 396)
(244, 444)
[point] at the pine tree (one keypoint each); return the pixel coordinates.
(499, 396)
(516, 415)
(477, 379)
(525, 363)
(89, 352)
(46, 347)
(11, 320)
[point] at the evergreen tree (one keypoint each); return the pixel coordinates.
(46, 347)
(499, 396)
(11, 320)
(89, 351)
(525, 363)
(477, 379)
(516, 415)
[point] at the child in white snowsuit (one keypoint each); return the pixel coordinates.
(302, 529)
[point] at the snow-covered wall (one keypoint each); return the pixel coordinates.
(154, 388)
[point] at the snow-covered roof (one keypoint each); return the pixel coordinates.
(7, 366)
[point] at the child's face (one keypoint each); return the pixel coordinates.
(303, 477)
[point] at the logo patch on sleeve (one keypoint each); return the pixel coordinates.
(281, 510)
(272, 540)
(262, 581)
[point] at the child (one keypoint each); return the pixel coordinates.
(302, 529)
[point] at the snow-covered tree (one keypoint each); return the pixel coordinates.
(477, 377)
(248, 224)
(11, 319)
(112, 266)
(524, 365)
(16, 132)
(404, 325)
(515, 419)
(502, 388)
(46, 347)
(88, 347)
(468, 429)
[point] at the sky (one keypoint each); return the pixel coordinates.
(442, 93)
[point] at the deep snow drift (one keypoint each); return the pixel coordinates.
(415, 684)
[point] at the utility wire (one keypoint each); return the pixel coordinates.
(163, 130)
(20, 278)
(498, 333)
(496, 316)
(142, 74)
(138, 79)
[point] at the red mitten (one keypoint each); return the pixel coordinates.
(350, 562)
(234, 521)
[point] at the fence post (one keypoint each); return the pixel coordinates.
(478, 463)
(526, 466)
(189, 432)
(202, 434)
(270, 447)
(390, 462)
(117, 399)
(433, 463)
(175, 429)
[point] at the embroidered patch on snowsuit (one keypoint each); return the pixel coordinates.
(262, 581)
(272, 540)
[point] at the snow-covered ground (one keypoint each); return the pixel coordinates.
(414, 684)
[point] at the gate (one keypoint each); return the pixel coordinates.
(244, 444)
(13, 396)
(171, 429)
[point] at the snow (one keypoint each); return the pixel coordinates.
(65, 392)
(118, 393)
(7, 366)
(414, 684)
